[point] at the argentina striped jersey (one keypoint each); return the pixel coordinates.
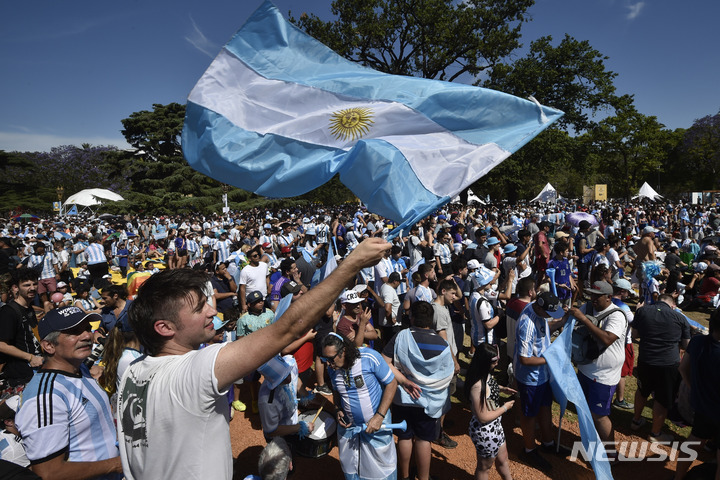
(64, 413)
(360, 386)
(95, 254)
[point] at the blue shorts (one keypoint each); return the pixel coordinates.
(532, 397)
(599, 396)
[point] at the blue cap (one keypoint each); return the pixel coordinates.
(63, 319)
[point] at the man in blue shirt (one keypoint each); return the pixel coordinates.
(532, 338)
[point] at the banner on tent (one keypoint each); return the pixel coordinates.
(600, 192)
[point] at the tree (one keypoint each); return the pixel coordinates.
(156, 133)
(440, 39)
(17, 194)
(701, 147)
(570, 77)
(68, 166)
(632, 146)
(529, 169)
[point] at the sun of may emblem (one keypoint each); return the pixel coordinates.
(351, 123)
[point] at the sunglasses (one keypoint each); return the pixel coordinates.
(325, 359)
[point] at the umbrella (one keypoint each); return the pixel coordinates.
(26, 216)
(575, 218)
(112, 235)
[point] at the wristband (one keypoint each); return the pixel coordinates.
(505, 407)
(378, 413)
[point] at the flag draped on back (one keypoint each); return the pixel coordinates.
(279, 113)
(566, 387)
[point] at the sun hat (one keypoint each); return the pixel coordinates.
(473, 264)
(481, 277)
(275, 371)
(218, 323)
(491, 241)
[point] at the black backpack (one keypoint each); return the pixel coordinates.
(585, 347)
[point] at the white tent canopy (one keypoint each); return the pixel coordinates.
(646, 191)
(547, 195)
(472, 198)
(93, 196)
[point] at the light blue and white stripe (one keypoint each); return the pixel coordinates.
(260, 118)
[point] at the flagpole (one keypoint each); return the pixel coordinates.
(550, 272)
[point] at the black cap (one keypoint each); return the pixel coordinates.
(551, 304)
(289, 287)
(253, 297)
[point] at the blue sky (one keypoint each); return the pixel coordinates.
(73, 70)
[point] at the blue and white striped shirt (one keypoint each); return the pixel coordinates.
(399, 266)
(532, 338)
(223, 249)
(47, 264)
(95, 254)
(192, 246)
(61, 411)
(360, 387)
(442, 251)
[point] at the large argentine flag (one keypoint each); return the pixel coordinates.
(279, 113)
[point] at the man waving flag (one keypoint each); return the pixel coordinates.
(279, 113)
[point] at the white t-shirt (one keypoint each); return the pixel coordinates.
(389, 295)
(254, 278)
(173, 420)
(607, 367)
(481, 311)
(443, 322)
(414, 249)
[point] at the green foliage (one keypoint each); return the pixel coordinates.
(570, 77)
(156, 132)
(631, 147)
(439, 39)
(31, 178)
(525, 173)
(701, 147)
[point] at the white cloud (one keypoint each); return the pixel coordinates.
(33, 142)
(198, 40)
(634, 10)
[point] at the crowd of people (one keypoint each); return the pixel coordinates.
(107, 326)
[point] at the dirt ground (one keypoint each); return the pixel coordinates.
(459, 463)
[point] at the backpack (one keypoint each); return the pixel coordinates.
(585, 347)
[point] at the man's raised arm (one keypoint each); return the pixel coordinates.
(246, 354)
